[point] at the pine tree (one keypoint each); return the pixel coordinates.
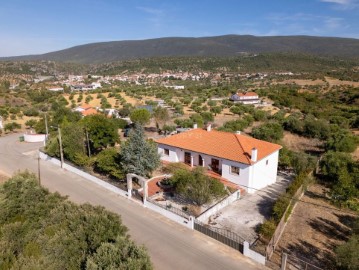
(138, 155)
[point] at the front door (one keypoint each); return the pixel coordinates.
(200, 161)
(215, 165)
(187, 158)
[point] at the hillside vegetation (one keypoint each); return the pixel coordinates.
(228, 45)
(42, 230)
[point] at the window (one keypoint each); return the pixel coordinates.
(267, 162)
(235, 170)
(166, 152)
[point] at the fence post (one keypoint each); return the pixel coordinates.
(245, 248)
(191, 222)
(284, 261)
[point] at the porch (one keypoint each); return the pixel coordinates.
(209, 172)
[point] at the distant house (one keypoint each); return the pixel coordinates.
(245, 161)
(245, 98)
(56, 89)
(85, 87)
(85, 110)
(175, 87)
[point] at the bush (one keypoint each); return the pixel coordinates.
(108, 162)
(271, 132)
(267, 228)
(42, 230)
(280, 206)
(173, 167)
(11, 126)
(196, 186)
(31, 112)
(347, 254)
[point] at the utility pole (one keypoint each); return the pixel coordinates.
(88, 143)
(38, 169)
(47, 129)
(61, 151)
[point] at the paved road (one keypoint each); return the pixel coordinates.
(170, 245)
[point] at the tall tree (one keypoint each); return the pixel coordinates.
(101, 130)
(161, 115)
(139, 155)
(140, 116)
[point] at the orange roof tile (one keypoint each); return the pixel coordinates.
(220, 144)
(248, 94)
(85, 106)
(89, 112)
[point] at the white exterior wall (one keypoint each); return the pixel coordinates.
(244, 175)
(255, 176)
(250, 101)
(173, 156)
(177, 155)
(263, 174)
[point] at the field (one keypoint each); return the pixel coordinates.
(301, 144)
(314, 229)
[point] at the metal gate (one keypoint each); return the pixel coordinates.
(224, 236)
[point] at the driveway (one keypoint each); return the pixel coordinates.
(170, 245)
(243, 216)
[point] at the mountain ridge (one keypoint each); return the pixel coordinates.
(226, 45)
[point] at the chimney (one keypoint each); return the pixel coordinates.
(195, 125)
(209, 127)
(254, 154)
(238, 132)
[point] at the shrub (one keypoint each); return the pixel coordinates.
(196, 186)
(267, 228)
(280, 206)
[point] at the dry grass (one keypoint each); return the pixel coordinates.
(334, 82)
(96, 102)
(303, 82)
(301, 144)
(314, 229)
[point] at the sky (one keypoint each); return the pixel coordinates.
(40, 26)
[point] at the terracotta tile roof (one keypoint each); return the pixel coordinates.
(85, 106)
(89, 112)
(248, 94)
(220, 144)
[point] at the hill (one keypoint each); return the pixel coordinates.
(229, 45)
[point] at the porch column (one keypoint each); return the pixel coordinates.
(129, 186)
(191, 161)
(145, 191)
(203, 165)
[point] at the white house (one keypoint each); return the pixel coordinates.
(248, 162)
(245, 98)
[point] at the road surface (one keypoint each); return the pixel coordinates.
(170, 245)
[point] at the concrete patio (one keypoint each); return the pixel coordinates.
(243, 216)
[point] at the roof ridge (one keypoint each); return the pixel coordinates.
(235, 135)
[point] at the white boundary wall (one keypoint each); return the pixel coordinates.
(216, 208)
(252, 254)
(189, 223)
(84, 175)
(34, 137)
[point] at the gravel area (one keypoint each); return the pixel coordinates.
(244, 216)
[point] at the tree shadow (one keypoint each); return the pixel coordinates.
(315, 195)
(306, 252)
(330, 229)
(269, 196)
(346, 219)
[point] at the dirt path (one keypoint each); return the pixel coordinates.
(313, 231)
